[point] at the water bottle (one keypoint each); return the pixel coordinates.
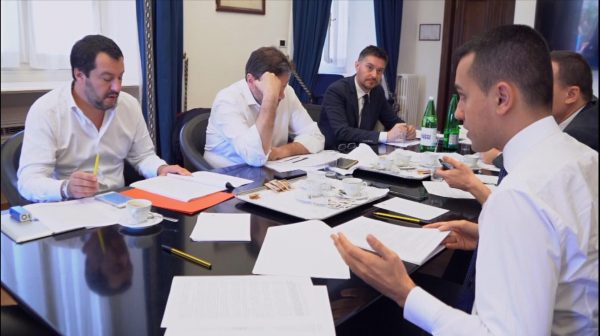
(451, 129)
(429, 128)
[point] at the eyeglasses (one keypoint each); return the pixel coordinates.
(346, 147)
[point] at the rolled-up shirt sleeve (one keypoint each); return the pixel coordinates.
(302, 128)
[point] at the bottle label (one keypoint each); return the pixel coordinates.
(428, 137)
(453, 139)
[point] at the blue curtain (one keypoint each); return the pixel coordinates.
(388, 23)
(311, 19)
(164, 85)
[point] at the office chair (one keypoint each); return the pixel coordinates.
(313, 110)
(11, 152)
(17, 321)
(192, 139)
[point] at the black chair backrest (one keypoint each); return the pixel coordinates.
(181, 119)
(313, 110)
(11, 153)
(192, 140)
(321, 84)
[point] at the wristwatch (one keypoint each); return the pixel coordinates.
(64, 190)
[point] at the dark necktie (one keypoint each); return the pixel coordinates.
(467, 294)
(364, 109)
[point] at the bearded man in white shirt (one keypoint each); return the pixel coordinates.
(537, 238)
(252, 119)
(89, 119)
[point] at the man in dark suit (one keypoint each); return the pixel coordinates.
(574, 106)
(353, 105)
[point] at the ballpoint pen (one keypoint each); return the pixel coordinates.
(302, 159)
(187, 256)
(405, 218)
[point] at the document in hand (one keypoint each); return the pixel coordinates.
(411, 208)
(414, 245)
(247, 305)
(444, 190)
(301, 249)
(187, 188)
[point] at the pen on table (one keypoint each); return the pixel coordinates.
(302, 159)
(405, 218)
(96, 164)
(170, 219)
(187, 256)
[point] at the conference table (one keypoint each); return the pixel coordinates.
(113, 281)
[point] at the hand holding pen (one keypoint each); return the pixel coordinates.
(84, 184)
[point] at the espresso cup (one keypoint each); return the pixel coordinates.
(139, 209)
(401, 159)
(384, 163)
(313, 187)
(353, 186)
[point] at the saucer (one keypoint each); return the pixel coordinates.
(127, 221)
(361, 196)
(317, 200)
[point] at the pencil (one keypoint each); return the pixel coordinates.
(187, 256)
(101, 239)
(410, 219)
(96, 164)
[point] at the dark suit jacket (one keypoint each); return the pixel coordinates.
(339, 115)
(584, 127)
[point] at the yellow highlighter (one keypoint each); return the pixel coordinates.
(96, 164)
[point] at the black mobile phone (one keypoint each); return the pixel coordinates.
(445, 165)
(414, 193)
(344, 163)
(289, 174)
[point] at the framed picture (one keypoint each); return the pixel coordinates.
(241, 6)
(429, 32)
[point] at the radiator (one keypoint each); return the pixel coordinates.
(407, 96)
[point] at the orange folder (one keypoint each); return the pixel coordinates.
(189, 208)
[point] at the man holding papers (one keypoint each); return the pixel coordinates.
(252, 119)
(77, 136)
(537, 238)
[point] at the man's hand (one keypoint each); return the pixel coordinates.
(401, 131)
(384, 270)
(82, 184)
(277, 153)
(462, 177)
(464, 235)
(175, 169)
(269, 86)
(290, 149)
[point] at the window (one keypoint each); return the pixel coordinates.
(37, 37)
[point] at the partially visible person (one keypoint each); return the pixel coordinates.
(67, 128)
(574, 106)
(252, 119)
(353, 105)
(537, 237)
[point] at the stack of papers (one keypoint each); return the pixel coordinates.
(411, 208)
(305, 162)
(301, 249)
(187, 188)
(247, 305)
(221, 227)
(414, 245)
(442, 189)
(57, 217)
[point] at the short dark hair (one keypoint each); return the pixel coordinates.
(373, 51)
(84, 52)
(574, 70)
(515, 53)
(267, 59)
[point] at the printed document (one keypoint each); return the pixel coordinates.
(411, 208)
(221, 227)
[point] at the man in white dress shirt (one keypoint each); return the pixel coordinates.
(537, 238)
(69, 127)
(252, 119)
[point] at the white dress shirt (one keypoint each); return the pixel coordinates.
(59, 140)
(360, 93)
(537, 261)
(232, 137)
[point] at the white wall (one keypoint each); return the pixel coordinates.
(421, 57)
(218, 44)
(360, 34)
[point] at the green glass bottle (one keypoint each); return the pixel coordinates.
(451, 129)
(429, 128)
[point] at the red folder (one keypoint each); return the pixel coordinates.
(189, 208)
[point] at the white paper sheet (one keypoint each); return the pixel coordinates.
(411, 208)
(487, 166)
(442, 189)
(247, 305)
(415, 245)
(221, 227)
(301, 249)
(213, 179)
(71, 215)
(306, 162)
(488, 179)
(405, 144)
(178, 188)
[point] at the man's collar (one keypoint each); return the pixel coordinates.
(359, 91)
(248, 96)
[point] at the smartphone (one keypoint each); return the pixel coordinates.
(344, 163)
(113, 198)
(445, 165)
(289, 174)
(414, 193)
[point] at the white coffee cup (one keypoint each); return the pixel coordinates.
(384, 163)
(353, 186)
(139, 209)
(401, 159)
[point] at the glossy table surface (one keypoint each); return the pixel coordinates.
(112, 281)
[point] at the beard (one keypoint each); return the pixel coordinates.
(98, 102)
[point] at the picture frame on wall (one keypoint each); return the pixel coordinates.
(242, 6)
(430, 32)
